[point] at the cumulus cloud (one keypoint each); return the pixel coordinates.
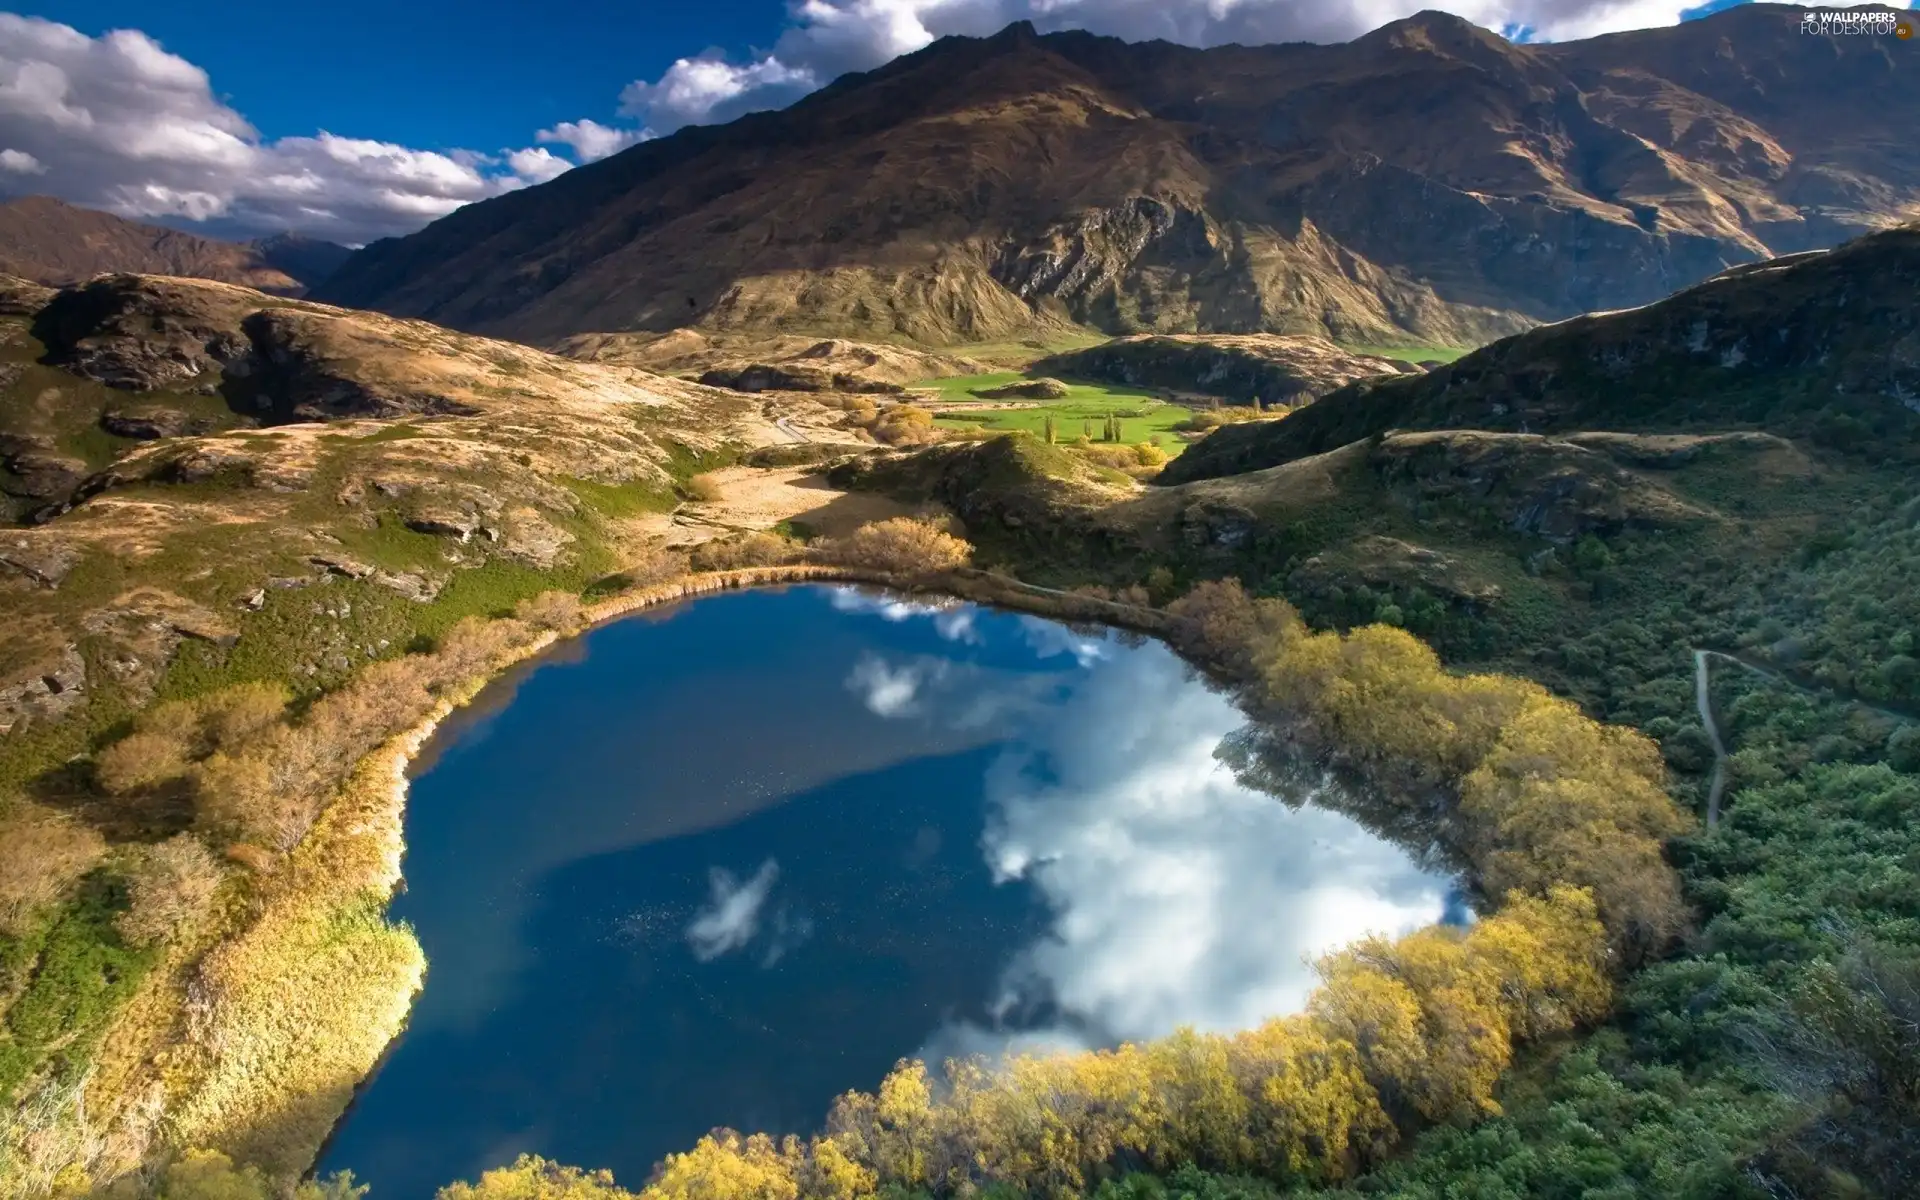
(888, 690)
(537, 164)
(697, 91)
(732, 915)
(591, 141)
(952, 620)
(1180, 897)
(117, 122)
(827, 38)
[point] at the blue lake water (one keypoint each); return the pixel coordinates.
(716, 865)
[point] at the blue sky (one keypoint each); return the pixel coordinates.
(431, 73)
(356, 119)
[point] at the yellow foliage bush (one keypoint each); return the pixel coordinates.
(725, 1166)
(169, 888)
(534, 1178)
(140, 760)
(554, 610)
(747, 550)
(42, 854)
(900, 544)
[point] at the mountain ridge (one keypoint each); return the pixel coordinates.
(1428, 183)
(48, 241)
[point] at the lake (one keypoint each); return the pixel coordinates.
(717, 864)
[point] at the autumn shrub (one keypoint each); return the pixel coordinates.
(1218, 623)
(903, 425)
(141, 760)
(1107, 455)
(746, 550)
(43, 852)
(231, 718)
(533, 1178)
(211, 1175)
(169, 887)
(263, 798)
(901, 544)
(704, 488)
(473, 646)
(554, 610)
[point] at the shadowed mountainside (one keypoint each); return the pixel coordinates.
(1428, 183)
(1824, 346)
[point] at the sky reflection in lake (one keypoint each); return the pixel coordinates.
(721, 867)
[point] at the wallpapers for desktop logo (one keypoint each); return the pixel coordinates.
(1854, 22)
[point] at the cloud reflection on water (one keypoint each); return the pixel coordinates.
(1180, 897)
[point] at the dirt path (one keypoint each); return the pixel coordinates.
(1703, 703)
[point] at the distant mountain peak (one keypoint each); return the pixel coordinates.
(1430, 182)
(47, 240)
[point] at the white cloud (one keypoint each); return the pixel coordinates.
(1179, 896)
(952, 620)
(117, 122)
(732, 916)
(1049, 639)
(830, 37)
(696, 91)
(591, 141)
(890, 691)
(538, 164)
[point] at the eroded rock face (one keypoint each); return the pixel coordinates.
(46, 692)
(43, 560)
(146, 333)
(150, 422)
(38, 470)
(313, 366)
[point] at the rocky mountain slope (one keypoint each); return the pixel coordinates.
(769, 363)
(1823, 345)
(48, 241)
(1428, 183)
(202, 439)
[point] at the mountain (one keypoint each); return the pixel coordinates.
(1429, 182)
(1824, 345)
(49, 241)
(308, 259)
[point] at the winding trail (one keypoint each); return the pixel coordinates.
(1703, 703)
